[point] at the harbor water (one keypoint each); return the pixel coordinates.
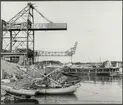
(93, 90)
(99, 89)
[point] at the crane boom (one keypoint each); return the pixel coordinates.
(69, 52)
(35, 27)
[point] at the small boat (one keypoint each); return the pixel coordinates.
(11, 90)
(55, 82)
(61, 90)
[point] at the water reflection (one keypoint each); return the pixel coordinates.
(56, 99)
(102, 79)
(20, 101)
(100, 89)
(26, 101)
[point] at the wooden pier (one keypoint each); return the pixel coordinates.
(93, 71)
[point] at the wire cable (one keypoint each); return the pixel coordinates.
(43, 16)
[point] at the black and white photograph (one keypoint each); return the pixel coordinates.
(61, 52)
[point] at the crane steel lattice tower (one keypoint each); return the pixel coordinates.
(18, 34)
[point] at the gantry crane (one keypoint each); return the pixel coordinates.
(19, 32)
(69, 52)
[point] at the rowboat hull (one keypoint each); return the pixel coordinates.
(18, 92)
(65, 90)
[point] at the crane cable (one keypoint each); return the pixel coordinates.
(43, 16)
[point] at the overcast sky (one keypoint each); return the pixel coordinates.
(96, 25)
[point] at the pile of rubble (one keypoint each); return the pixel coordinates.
(10, 70)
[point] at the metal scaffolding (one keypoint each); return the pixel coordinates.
(19, 32)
